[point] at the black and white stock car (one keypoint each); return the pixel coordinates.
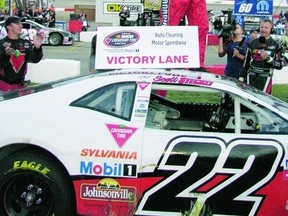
(143, 142)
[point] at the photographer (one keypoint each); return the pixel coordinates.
(235, 48)
(264, 54)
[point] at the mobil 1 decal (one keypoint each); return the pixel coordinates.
(208, 176)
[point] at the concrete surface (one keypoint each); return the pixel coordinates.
(45, 71)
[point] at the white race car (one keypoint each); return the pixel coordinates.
(143, 142)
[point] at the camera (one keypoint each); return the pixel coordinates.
(227, 31)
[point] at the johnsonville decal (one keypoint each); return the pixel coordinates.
(108, 189)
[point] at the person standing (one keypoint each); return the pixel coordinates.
(92, 54)
(123, 17)
(285, 15)
(147, 19)
(284, 39)
(15, 53)
(83, 18)
(217, 25)
(254, 33)
(52, 18)
(235, 50)
(2, 15)
(173, 11)
(264, 54)
(20, 12)
(82, 15)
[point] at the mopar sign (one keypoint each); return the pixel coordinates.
(253, 7)
(134, 8)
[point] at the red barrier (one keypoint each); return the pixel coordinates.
(217, 68)
(75, 26)
(212, 40)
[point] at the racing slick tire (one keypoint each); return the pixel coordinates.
(55, 39)
(32, 184)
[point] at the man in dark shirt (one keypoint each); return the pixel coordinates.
(92, 54)
(123, 17)
(15, 53)
(235, 53)
(52, 19)
(264, 54)
(217, 25)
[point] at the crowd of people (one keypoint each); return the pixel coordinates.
(249, 61)
(42, 15)
(253, 61)
(282, 17)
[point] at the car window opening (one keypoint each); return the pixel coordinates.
(214, 111)
(116, 99)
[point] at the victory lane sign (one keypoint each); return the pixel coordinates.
(147, 47)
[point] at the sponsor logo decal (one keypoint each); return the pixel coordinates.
(143, 85)
(141, 108)
(108, 189)
(262, 7)
(165, 12)
(109, 154)
(108, 169)
(121, 133)
(121, 39)
(183, 80)
(31, 166)
(116, 8)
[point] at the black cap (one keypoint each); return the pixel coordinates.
(13, 19)
(253, 30)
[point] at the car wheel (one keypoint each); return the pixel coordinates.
(55, 39)
(32, 183)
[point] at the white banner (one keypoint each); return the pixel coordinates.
(147, 47)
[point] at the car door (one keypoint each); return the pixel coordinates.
(206, 155)
(113, 159)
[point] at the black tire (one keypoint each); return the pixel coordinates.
(26, 191)
(55, 39)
